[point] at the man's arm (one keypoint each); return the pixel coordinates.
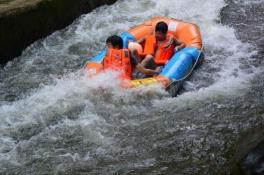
(140, 67)
(145, 71)
(178, 44)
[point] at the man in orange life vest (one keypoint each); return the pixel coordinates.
(159, 48)
(123, 60)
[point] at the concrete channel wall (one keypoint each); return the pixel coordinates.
(24, 21)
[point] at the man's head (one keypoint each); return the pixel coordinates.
(161, 31)
(114, 41)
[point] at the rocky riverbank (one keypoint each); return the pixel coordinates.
(25, 21)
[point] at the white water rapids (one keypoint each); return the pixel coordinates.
(56, 120)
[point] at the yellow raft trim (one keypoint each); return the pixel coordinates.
(144, 82)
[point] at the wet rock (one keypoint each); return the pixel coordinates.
(24, 21)
(253, 163)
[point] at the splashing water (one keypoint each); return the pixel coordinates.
(56, 120)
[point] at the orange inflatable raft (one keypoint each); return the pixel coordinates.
(181, 64)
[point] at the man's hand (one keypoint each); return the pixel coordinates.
(158, 70)
(176, 49)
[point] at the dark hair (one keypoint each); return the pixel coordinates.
(161, 27)
(115, 41)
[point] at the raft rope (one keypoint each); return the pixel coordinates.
(190, 72)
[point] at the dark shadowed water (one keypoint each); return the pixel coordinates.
(55, 120)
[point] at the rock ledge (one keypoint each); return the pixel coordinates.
(24, 21)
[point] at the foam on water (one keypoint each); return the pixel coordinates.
(217, 38)
(74, 97)
(87, 36)
(65, 101)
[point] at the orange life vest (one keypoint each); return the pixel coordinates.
(119, 60)
(162, 52)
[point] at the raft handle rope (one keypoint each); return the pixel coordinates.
(190, 72)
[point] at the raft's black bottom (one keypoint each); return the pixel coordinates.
(176, 85)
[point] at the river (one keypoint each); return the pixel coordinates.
(56, 120)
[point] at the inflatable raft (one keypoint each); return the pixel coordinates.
(181, 64)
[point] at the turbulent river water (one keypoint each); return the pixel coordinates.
(55, 120)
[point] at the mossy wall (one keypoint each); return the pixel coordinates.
(21, 27)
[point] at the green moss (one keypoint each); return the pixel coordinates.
(24, 26)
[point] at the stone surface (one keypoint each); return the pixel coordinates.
(11, 6)
(24, 21)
